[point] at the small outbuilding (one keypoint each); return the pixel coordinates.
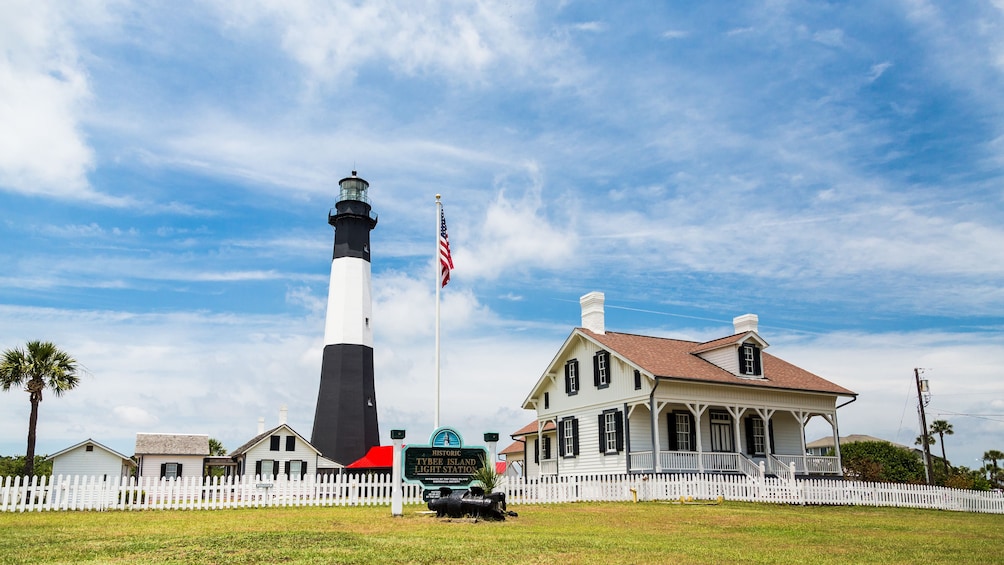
(91, 459)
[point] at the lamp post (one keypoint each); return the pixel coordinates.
(923, 395)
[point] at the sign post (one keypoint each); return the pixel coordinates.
(396, 496)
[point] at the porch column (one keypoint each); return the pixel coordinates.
(540, 449)
(698, 409)
(736, 412)
(653, 416)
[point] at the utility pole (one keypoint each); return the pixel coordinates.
(922, 389)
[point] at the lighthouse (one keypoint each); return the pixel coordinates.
(345, 420)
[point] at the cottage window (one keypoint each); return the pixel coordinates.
(274, 443)
(757, 435)
(290, 443)
(601, 369)
(572, 377)
(683, 431)
(170, 470)
(569, 438)
(546, 447)
(295, 470)
(266, 469)
(611, 431)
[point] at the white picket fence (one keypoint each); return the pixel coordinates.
(24, 494)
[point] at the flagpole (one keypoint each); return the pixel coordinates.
(438, 270)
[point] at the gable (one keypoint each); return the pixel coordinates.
(260, 439)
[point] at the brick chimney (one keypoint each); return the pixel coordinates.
(592, 312)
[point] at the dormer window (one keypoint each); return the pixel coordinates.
(749, 360)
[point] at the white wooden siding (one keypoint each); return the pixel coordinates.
(727, 358)
(97, 463)
(191, 465)
(262, 451)
(748, 396)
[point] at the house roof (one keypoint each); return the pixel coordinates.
(125, 458)
(518, 446)
(531, 428)
(261, 437)
(378, 457)
(728, 340)
(853, 438)
(678, 359)
(172, 444)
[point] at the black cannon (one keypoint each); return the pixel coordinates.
(473, 502)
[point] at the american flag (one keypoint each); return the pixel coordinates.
(445, 259)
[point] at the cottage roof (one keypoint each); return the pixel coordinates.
(172, 444)
(531, 428)
(678, 359)
(261, 437)
(125, 458)
(518, 446)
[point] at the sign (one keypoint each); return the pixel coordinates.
(446, 462)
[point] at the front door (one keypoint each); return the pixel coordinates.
(721, 432)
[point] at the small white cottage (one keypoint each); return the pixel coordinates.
(171, 456)
(91, 459)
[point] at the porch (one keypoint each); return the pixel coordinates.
(714, 462)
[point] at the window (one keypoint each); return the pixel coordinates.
(89, 448)
(274, 443)
(546, 448)
(637, 379)
(611, 431)
(757, 435)
(569, 437)
(170, 470)
(290, 443)
(682, 436)
(721, 431)
(601, 369)
(295, 470)
(547, 400)
(572, 377)
(265, 469)
(749, 360)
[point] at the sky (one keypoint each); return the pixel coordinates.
(166, 170)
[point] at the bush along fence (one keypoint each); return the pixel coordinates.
(27, 494)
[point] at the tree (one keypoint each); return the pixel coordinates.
(942, 428)
(40, 365)
(881, 461)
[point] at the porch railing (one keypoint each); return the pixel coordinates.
(640, 461)
(811, 464)
(679, 461)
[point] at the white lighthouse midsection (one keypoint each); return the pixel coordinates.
(350, 306)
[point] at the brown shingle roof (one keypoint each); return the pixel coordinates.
(531, 428)
(675, 358)
(172, 444)
(518, 446)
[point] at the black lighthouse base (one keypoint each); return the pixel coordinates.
(345, 422)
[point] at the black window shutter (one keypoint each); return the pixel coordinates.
(568, 378)
(273, 443)
(596, 369)
(757, 367)
(547, 447)
(179, 470)
(561, 426)
(290, 443)
(575, 436)
(536, 453)
(750, 446)
(257, 468)
(288, 463)
(770, 434)
(163, 470)
(602, 427)
(637, 379)
(547, 400)
(303, 469)
(742, 360)
(619, 421)
(693, 433)
(673, 445)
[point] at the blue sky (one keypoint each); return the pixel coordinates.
(166, 171)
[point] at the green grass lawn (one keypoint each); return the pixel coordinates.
(648, 532)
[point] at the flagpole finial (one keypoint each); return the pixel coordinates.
(437, 197)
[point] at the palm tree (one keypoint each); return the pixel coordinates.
(39, 366)
(992, 457)
(942, 428)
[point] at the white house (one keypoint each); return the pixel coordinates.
(619, 403)
(281, 451)
(170, 456)
(90, 458)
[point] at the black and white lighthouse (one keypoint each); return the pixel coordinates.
(345, 420)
